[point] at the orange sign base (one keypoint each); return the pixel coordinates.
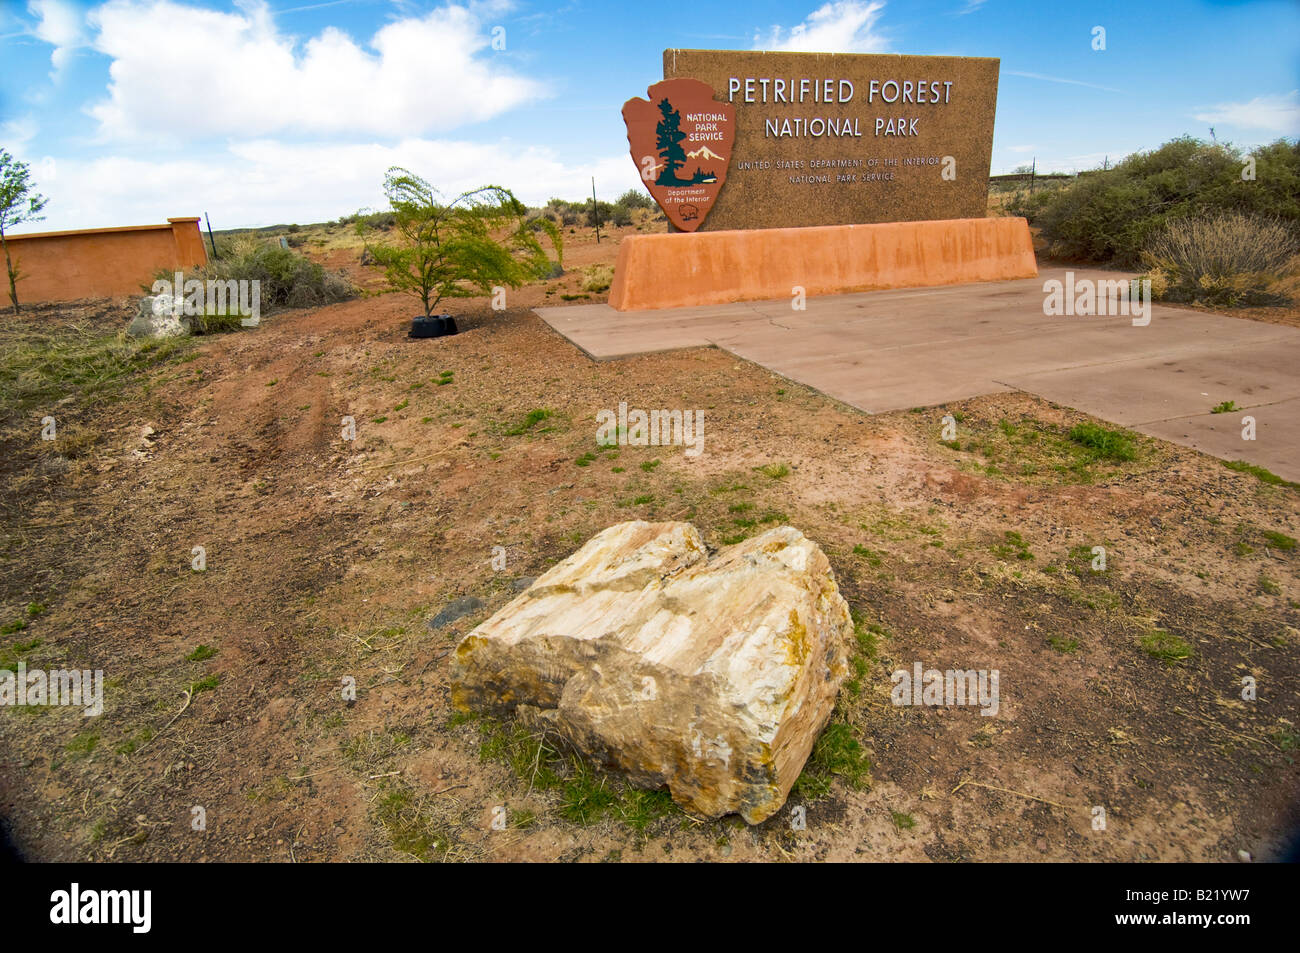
(701, 268)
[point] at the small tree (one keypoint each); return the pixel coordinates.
(19, 204)
(457, 249)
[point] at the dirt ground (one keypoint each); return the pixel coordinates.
(327, 558)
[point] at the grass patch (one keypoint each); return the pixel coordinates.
(1113, 445)
(205, 684)
(583, 794)
(38, 368)
(1279, 540)
(1013, 546)
(1259, 473)
(1227, 407)
(777, 471)
(1031, 450)
(904, 822)
(529, 422)
(870, 555)
(201, 653)
(837, 754)
(143, 736)
(10, 657)
(83, 744)
(411, 829)
(1165, 646)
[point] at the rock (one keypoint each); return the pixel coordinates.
(713, 677)
(456, 609)
(157, 322)
(522, 583)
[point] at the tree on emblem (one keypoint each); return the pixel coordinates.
(669, 138)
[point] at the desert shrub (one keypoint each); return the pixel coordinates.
(633, 198)
(1224, 258)
(1111, 215)
(604, 209)
(619, 215)
(597, 278)
(288, 280)
(382, 221)
(535, 216)
(564, 213)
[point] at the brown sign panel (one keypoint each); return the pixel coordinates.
(846, 138)
(681, 140)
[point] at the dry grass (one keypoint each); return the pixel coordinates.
(1226, 258)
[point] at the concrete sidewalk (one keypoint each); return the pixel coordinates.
(916, 347)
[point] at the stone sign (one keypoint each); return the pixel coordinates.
(844, 138)
(681, 140)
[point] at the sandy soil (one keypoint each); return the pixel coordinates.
(327, 558)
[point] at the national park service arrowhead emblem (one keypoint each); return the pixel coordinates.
(681, 140)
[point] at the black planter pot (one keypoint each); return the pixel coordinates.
(434, 326)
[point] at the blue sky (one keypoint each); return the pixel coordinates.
(267, 111)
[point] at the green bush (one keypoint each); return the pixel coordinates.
(1110, 216)
(604, 210)
(288, 280)
(634, 198)
(379, 220)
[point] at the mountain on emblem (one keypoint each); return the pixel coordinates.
(706, 153)
(681, 139)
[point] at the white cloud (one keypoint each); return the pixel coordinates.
(262, 182)
(1270, 113)
(416, 75)
(61, 24)
(842, 26)
(17, 132)
(1058, 79)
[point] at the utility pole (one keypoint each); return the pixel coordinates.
(595, 209)
(1033, 171)
(212, 241)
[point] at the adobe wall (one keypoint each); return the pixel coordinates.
(101, 262)
(699, 268)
